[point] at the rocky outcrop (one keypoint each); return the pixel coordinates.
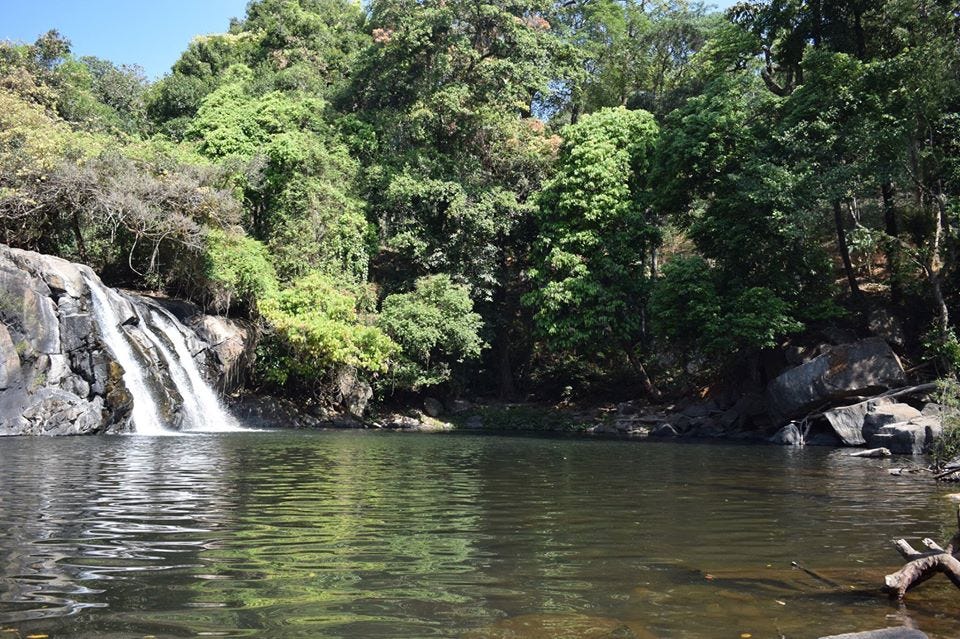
(913, 437)
(226, 346)
(58, 373)
(56, 377)
(847, 421)
(865, 368)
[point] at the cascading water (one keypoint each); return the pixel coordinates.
(146, 414)
(203, 409)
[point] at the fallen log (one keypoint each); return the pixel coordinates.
(921, 566)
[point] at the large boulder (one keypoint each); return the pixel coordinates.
(859, 368)
(54, 373)
(908, 438)
(881, 416)
(231, 345)
(847, 421)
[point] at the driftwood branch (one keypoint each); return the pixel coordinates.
(921, 566)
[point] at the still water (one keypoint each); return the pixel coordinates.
(360, 534)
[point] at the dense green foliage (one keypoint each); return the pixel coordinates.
(515, 195)
(318, 327)
(591, 279)
(436, 329)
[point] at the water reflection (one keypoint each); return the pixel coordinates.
(366, 535)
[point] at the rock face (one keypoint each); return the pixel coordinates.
(58, 374)
(912, 437)
(860, 368)
(226, 346)
(56, 377)
(847, 421)
(883, 422)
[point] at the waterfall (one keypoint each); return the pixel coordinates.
(202, 410)
(203, 407)
(146, 413)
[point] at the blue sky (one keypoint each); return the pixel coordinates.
(149, 33)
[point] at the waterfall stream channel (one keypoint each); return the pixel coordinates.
(164, 346)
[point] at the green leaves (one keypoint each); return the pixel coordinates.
(239, 269)
(436, 328)
(319, 326)
(594, 240)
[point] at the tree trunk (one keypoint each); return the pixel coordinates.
(507, 387)
(648, 388)
(78, 234)
(893, 244)
(817, 23)
(935, 266)
(845, 255)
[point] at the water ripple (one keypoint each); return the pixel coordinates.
(364, 535)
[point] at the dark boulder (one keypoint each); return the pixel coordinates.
(859, 368)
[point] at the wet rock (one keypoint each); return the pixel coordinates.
(859, 368)
(52, 411)
(663, 430)
(789, 435)
(231, 345)
(433, 407)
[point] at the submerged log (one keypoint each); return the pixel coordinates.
(921, 566)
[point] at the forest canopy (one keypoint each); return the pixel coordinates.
(514, 196)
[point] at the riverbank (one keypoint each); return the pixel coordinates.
(694, 420)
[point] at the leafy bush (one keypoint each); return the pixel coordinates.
(943, 348)
(238, 269)
(685, 305)
(435, 327)
(317, 326)
(690, 313)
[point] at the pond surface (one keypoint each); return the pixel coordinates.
(360, 534)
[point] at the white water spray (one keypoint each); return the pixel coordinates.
(203, 407)
(202, 410)
(146, 414)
